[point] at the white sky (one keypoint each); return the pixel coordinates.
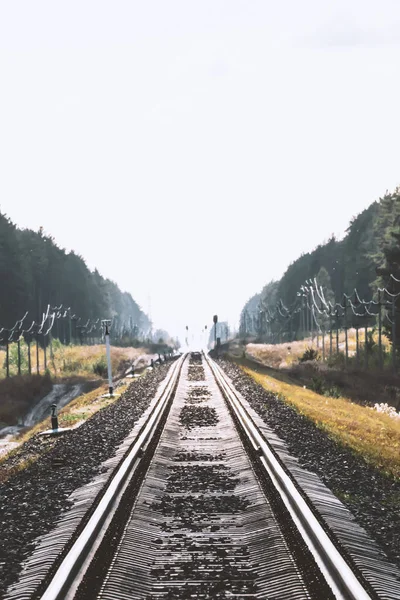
(192, 149)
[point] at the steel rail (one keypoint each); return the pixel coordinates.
(76, 556)
(335, 569)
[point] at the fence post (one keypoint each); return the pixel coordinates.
(323, 343)
(37, 354)
(337, 331)
(366, 345)
(7, 359)
(51, 345)
(380, 329)
(29, 357)
(70, 327)
(44, 350)
(394, 335)
(312, 323)
(345, 331)
(307, 317)
(19, 355)
(357, 347)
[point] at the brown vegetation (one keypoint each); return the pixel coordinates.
(373, 435)
(67, 364)
(19, 394)
(365, 387)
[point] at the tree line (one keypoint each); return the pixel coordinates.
(35, 272)
(364, 260)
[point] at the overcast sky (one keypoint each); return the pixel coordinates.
(192, 149)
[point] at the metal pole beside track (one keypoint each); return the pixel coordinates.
(108, 354)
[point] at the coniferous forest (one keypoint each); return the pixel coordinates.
(35, 273)
(362, 260)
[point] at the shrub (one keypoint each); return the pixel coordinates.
(13, 357)
(337, 360)
(333, 392)
(317, 385)
(309, 354)
(100, 367)
(320, 386)
(394, 393)
(72, 366)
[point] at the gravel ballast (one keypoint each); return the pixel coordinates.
(32, 500)
(373, 498)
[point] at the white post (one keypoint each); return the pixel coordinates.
(108, 352)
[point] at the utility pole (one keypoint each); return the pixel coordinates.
(394, 334)
(215, 320)
(106, 324)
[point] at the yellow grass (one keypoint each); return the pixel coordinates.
(71, 361)
(279, 356)
(373, 435)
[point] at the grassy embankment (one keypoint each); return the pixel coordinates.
(68, 364)
(76, 364)
(364, 386)
(74, 413)
(371, 434)
(285, 355)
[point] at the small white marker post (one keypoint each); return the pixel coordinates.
(108, 352)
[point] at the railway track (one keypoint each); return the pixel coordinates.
(200, 506)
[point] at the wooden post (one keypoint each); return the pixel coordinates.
(380, 329)
(337, 331)
(19, 355)
(394, 335)
(44, 350)
(37, 354)
(7, 359)
(312, 323)
(357, 347)
(345, 331)
(29, 358)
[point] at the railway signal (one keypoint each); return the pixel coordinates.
(215, 320)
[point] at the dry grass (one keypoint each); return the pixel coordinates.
(277, 356)
(280, 356)
(20, 465)
(70, 361)
(84, 361)
(352, 380)
(374, 435)
(2, 360)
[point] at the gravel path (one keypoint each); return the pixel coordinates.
(373, 498)
(32, 500)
